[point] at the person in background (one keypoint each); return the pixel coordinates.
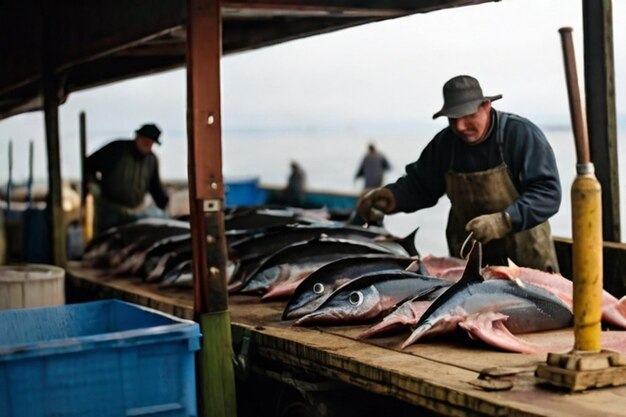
(372, 168)
(120, 174)
(498, 171)
(293, 194)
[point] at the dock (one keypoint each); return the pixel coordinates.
(448, 377)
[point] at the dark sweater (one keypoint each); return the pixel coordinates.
(126, 174)
(526, 152)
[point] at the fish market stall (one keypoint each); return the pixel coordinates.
(449, 376)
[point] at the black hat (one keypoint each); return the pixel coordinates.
(150, 131)
(461, 97)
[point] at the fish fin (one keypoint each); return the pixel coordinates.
(511, 263)
(415, 266)
(490, 328)
(474, 264)
(408, 243)
(519, 282)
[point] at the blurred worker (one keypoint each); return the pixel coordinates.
(498, 171)
(119, 176)
(293, 194)
(372, 168)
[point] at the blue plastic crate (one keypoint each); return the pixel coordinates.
(244, 192)
(103, 358)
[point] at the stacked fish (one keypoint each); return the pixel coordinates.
(270, 249)
(341, 274)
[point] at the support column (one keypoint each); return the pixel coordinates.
(215, 373)
(50, 89)
(601, 114)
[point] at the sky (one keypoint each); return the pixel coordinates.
(387, 75)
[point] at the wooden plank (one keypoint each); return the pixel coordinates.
(439, 375)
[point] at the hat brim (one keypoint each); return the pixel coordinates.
(464, 109)
(137, 132)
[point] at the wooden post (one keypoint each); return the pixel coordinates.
(601, 113)
(50, 89)
(215, 373)
(86, 200)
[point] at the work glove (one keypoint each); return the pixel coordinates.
(490, 226)
(374, 204)
(93, 189)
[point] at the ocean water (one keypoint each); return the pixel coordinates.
(331, 157)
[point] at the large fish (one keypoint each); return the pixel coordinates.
(135, 261)
(267, 242)
(370, 296)
(181, 275)
(248, 254)
(300, 259)
(315, 288)
(405, 315)
(492, 310)
(265, 217)
(164, 256)
(114, 245)
(613, 310)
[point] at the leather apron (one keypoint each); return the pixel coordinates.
(491, 191)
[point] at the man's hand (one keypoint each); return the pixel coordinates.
(93, 188)
(490, 226)
(375, 203)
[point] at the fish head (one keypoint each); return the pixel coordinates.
(439, 324)
(352, 305)
(309, 296)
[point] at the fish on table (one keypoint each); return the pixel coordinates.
(492, 310)
(135, 262)
(370, 296)
(114, 245)
(315, 288)
(263, 243)
(405, 315)
(613, 310)
(297, 261)
(164, 257)
(257, 218)
(248, 254)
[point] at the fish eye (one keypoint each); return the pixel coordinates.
(356, 298)
(318, 288)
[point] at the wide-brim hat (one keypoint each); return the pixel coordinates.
(461, 97)
(150, 131)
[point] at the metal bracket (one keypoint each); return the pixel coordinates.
(241, 360)
(213, 205)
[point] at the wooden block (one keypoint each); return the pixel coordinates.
(579, 380)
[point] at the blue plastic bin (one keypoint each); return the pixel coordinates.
(103, 358)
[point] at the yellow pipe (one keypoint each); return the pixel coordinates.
(587, 259)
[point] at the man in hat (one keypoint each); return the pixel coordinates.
(498, 171)
(119, 176)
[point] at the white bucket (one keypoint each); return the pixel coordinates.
(31, 285)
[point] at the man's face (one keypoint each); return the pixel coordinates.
(473, 127)
(144, 144)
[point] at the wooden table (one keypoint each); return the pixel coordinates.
(452, 377)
